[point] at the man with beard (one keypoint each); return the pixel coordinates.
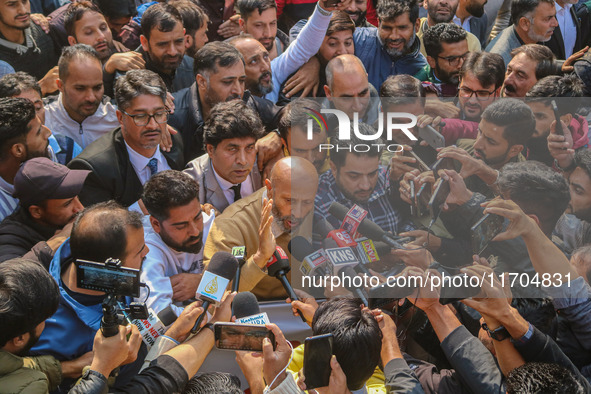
(266, 219)
(356, 177)
(195, 22)
(163, 46)
(443, 11)
(533, 21)
(24, 45)
(79, 111)
(48, 201)
(264, 76)
(528, 65)
(85, 24)
(227, 172)
(124, 159)
(357, 10)
(259, 19)
(447, 48)
(471, 17)
(506, 125)
(567, 89)
(219, 76)
(392, 48)
(572, 33)
(174, 264)
(22, 137)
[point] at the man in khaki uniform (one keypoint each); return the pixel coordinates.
(268, 217)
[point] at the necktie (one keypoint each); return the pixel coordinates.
(236, 189)
(153, 166)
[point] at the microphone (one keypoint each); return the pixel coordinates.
(240, 253)
(245, 308)
(366, 227)
(342, 238)
(155, 325)
(221, 269)
(313, 262)
(340, 258)
(370, 251)
(278, 267)
(349, 272)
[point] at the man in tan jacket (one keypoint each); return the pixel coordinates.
(268, 217)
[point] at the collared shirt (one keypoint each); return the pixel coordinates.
(379, 207)
(465, 24)
(92, 128)
(245, 190)
(7, 202)
(567, 26)
(140, 163)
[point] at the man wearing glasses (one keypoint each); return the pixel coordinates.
(124, 159)
(446, 46)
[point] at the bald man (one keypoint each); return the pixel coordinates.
(348, 89)
(271, 216)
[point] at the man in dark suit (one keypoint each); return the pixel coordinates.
(124, 159)
(471, 16)
(573, 31)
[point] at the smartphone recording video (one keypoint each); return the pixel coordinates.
(249, 337)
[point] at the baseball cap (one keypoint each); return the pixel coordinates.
(41, 179)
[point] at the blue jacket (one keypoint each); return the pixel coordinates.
(69, 333)
(378, 64)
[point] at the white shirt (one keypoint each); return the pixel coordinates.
(92, 128)
(245, 190)
(464, 25)
(162, 262)
(7, 202)
(567, 28)
(140, 163)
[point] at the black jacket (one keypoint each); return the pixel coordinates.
(19, 234)
(188, 119)
(582, 23)
(112, 176)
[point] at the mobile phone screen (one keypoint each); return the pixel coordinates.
(438, 198)
(249, 337)
(317, 355)
(485, 230)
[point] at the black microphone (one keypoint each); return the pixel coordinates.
(349, 272)
(366, 227)
(245, 304)
(214, 282)
(278, 267)
(167, 316)
(240, 253)
(313, 261)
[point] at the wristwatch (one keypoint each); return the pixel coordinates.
(498, 334)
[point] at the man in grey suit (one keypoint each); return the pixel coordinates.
(227, 172)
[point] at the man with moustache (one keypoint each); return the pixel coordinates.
(528, 65)
(22, 137)
(124, 159)
(179, 227)
(80, 111)
(573, 31)
(443, 11)
(393, 47)
(163, 46)
(447, 48)
(85, 24)
(533, 21)
(227, 172)
(24, 45)
(357, 10)
(48, 201)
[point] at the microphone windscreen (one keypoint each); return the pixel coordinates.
(322, 227)
(223, 264)
(279, 263)
(167, 316)
(366, 227)
(245, 304)
(382, 248)
(299, 247)
(329, 243)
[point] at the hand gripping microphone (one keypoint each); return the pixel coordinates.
(240, 253)
(366, 227)
(278, 267)
(245, 308)
(220, 271)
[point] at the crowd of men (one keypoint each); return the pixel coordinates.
(161, 133)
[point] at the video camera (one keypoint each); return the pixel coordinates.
(116, 281)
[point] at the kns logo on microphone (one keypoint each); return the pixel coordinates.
(344, 124)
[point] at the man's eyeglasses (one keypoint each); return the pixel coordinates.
(143, 119)
(481, 95)
(455, 61)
